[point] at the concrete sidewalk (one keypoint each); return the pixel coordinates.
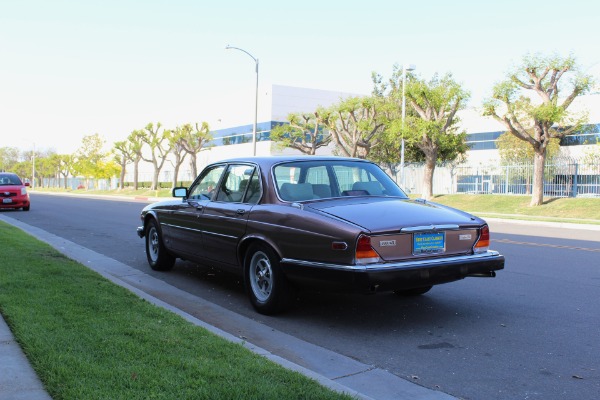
(18, 380)
(338, 372)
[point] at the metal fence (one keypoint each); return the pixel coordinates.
(563, 177)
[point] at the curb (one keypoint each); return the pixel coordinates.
(332, 370)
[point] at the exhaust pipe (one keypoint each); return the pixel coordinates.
(489, 274)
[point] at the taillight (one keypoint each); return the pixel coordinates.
(365, 254)
(483, 243)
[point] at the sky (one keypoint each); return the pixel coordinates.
(69, 69)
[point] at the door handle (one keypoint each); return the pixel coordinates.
(240, 212)
(195, 204)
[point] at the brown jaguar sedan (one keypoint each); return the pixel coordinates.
(329, 222)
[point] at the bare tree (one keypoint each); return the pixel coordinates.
(194, 141)
(158, 141)
(177, 143)
(354, 125)
(123, 151)
(530, 104)
(305, 132)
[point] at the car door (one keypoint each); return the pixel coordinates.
(226, 216)
(185, 223)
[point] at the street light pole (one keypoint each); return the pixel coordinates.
(228, 47)
(405, 68)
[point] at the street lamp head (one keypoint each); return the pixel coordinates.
(409, 67)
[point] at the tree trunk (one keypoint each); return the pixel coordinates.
(428, 177)
(175, 175)
(135, 174)
(539, 160)
(193, 164)
(155, 178)
(123, 167)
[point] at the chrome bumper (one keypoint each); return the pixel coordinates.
(493, 257)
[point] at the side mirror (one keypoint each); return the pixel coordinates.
(27, 184)
(180, 192)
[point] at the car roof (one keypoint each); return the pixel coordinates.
(269, 161)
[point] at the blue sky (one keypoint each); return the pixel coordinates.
(75, 68)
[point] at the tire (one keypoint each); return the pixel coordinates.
(266, 286)
(413, 292)
(26, 208)
(158, 256)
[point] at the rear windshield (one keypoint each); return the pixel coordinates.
(309, 180)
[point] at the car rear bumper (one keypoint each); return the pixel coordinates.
(392, 276)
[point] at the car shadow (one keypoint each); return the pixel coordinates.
(445, 305)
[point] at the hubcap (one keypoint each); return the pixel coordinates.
(153, 244)
(261, 276)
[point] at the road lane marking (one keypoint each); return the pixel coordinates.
(555, 246)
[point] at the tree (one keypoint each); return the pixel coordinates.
(136, 146)
(88, 156)
(431, 125)
(517, 154)
(65, 167)
(513, 150)
(530, 104)
(9, 156)
(176, 143)
(107, 169)
(592, 155)
(159, 148)
(354, 125)
(305, 132)
(195, 141)
(124, 153)
(49, 167)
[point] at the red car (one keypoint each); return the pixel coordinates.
(13, 192)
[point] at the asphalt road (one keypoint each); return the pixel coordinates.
(531, 333)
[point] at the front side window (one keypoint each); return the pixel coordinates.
(205, 187)
(235, 183)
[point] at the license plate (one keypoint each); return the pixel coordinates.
(429, 243)
(6, 201)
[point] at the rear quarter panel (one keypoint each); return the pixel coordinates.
(302, 234)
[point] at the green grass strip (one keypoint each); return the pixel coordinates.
(572, 210)
(88, 338)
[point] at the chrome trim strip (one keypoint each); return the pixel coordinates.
(490, 254)
(220, 235)
(425, 228)
(181, 227)
(201, 231)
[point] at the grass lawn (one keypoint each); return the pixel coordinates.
(90, 339)
(577, 210)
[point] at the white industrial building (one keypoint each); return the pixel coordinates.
(276, 102)
(282, 100)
